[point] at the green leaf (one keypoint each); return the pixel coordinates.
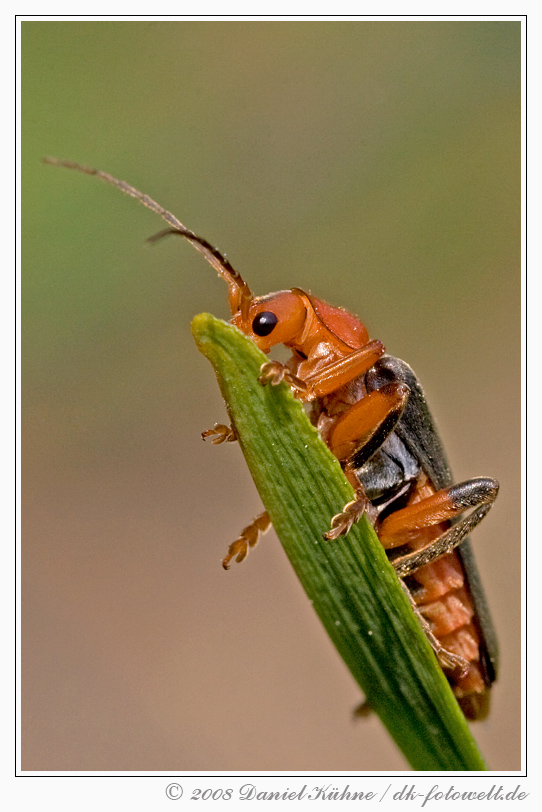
(350, 581)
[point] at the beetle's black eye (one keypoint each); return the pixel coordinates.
(264, 323)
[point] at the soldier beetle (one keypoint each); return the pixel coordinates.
(372, 412)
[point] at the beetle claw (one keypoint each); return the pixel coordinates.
(362, 711)
(452, 662)
(237, 550)
(342, 522)
(274, 372)
(248, 538)
(219, 434)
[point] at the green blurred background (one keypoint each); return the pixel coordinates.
(376, 164)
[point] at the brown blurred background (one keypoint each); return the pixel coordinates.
(374, 163)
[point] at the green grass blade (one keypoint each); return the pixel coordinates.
(350, 582)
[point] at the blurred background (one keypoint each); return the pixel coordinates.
(376, 164)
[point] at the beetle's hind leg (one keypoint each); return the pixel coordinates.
(447, 659)
(400, 527)
(248, 538)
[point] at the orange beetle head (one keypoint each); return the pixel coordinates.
(277, 318)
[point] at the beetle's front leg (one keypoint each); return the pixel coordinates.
(327, 378)
(249, 536)
(274, 372)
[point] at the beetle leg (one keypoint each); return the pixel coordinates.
(355, 436)
(331, 377)
(248, 538)
(401, 526)
(274, 372)
(447, 659)
(328, 378)
(363, 710)
(219, 434)
(352, 511)
(343, 521)
(362, 429)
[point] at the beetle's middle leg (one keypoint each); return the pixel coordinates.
(355, 437)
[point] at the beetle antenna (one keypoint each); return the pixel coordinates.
(239, 292)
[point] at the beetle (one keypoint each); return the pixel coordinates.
(372, 412)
